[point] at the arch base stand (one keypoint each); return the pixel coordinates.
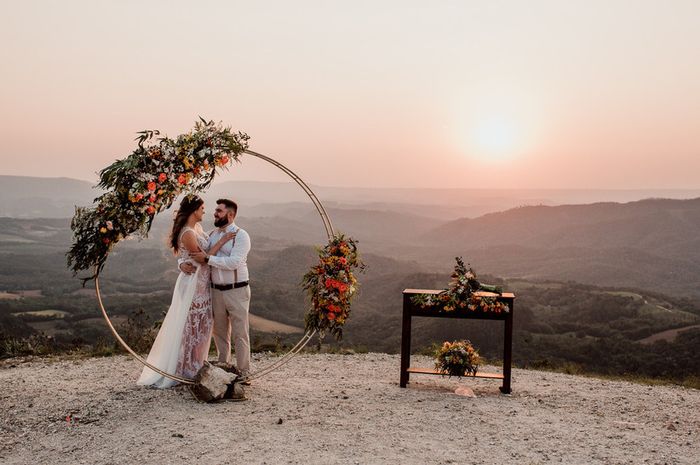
(213, 383)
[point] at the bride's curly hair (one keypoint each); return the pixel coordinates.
(188, 205)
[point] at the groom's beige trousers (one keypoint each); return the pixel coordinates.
(231, 315)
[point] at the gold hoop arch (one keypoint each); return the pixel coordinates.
(327, 224)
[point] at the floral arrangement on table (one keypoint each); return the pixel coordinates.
(458, 358)
(146, 183)
(460, 294)
(331, 286)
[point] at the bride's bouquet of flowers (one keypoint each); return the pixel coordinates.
(146, 183)
(458, 358)
(331, 285)
(460, 294)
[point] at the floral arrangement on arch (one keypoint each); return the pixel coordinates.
(146, 183)
(460, 294)
(457, 358)
(331, 286)
(160, 169)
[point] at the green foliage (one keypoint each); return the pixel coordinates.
(139, 331)
(36, 344)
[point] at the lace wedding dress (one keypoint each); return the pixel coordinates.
(182, 344)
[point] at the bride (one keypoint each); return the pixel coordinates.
(182, 344)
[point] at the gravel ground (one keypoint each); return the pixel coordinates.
(346, 409)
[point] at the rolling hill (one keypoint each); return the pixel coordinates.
(650, 244)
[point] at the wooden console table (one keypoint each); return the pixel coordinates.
(410, 311)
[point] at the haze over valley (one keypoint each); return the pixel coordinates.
(616, 277)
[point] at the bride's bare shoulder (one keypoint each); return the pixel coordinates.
(186, 230)
(188, 239)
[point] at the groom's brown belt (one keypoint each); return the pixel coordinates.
(228, 287)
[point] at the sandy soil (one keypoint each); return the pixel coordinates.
(345, 409)
(269, 326)
(16, 295)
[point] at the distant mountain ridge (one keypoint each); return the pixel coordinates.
(642, 223)
(650, 244)
(34, 197)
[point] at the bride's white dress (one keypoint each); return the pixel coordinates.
(182, 344)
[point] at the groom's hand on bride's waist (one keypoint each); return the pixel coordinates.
(187, 268)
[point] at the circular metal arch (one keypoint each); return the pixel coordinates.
(294, 350)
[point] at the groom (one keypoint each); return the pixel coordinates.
(230, 289)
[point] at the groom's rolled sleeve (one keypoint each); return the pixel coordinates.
(238, 256)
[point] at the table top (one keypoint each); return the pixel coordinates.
(505, 295)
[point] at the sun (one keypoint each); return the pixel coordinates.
(495, 127)
(495, 137)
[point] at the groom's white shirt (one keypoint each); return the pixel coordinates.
(232, 258)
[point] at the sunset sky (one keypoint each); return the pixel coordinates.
(525, 94)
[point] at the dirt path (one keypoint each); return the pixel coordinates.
(669, 335)
(269, 326)
(328, 409)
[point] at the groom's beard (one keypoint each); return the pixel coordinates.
(221, 222)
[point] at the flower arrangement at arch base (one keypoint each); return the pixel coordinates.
(331, 286)
(460, 294)
(457, 358)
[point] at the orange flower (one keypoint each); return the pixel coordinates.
(182, 179)
(151, 186)
(150, 210)
(138, 197)
(331, 316)
(152, 198)
(162, 177)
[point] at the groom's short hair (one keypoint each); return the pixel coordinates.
(230, 204)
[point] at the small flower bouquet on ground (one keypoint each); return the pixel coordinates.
(457, 358)
(460, 295)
